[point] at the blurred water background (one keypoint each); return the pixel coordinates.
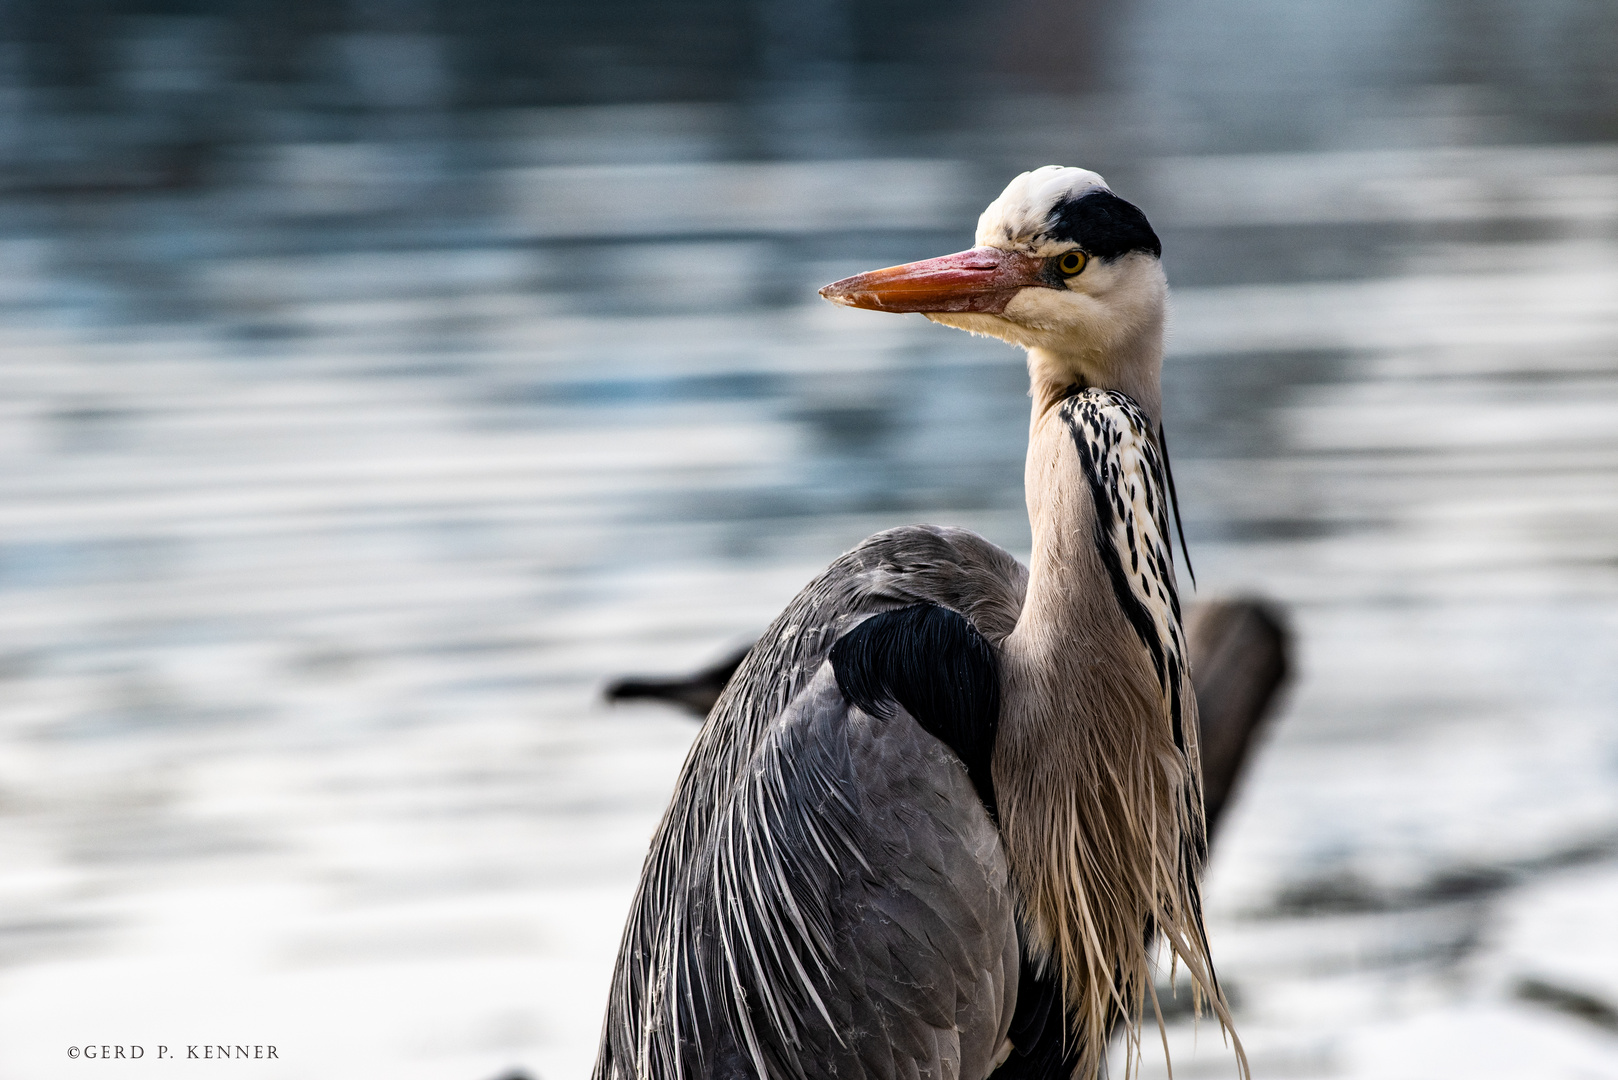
(379, 378)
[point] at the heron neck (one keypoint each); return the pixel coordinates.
(1069, 609)
(1068, 586)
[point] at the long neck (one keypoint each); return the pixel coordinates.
(1095, 763)
(1069, 600)
(1069, 596)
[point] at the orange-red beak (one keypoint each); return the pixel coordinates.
(982, 279)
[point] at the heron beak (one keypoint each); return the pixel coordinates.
(983, 279)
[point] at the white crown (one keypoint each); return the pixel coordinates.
(1022, 212)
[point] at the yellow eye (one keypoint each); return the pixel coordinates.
(1071, 263)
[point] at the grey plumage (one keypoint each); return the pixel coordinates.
(671, 999)
(856, 857)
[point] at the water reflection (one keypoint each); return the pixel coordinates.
(373, 391)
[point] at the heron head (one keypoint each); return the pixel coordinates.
(1062, 267)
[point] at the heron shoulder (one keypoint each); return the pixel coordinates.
(931, 662)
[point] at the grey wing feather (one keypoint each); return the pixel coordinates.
(658, 990)
(856, 843)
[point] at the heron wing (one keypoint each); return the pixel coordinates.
(646, 1031)
(858, 919)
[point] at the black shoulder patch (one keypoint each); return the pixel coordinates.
(933, 662)
(1104, 226)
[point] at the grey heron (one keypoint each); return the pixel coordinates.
(947, 808)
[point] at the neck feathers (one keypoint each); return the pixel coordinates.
(1096, 766)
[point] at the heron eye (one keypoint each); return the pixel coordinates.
(1071, 263)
